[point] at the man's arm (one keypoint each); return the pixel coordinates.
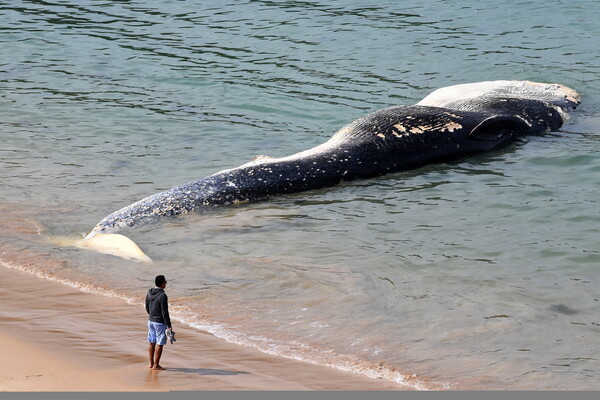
(164, 307)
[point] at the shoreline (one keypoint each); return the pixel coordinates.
(59, 341)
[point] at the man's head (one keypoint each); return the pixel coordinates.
(160, 281)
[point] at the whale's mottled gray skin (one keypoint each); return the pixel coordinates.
(451, 122)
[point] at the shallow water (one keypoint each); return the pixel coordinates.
(481, 273)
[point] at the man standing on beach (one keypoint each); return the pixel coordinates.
(158, 320)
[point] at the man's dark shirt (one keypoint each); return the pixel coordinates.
(157, 306)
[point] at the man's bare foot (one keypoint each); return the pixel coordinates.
(158, 367)
(151, 366)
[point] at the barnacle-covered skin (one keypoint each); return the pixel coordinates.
(451, 122)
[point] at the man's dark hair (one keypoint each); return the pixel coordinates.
(159, 280)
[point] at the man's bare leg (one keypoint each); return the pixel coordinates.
(151, 349)
(157, 355)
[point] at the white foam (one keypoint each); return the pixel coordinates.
(305, 353)
(84, 287)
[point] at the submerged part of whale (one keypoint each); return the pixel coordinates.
(451, 122)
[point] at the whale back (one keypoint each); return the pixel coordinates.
(421, 130)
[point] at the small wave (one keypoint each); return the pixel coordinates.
(84, 287)
(301, 352)
(293, 350)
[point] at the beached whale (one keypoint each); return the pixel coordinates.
(451, 122)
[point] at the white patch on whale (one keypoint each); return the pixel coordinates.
(560, 96)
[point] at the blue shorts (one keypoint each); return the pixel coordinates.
(156, 333)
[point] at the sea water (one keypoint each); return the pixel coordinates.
(479, 273)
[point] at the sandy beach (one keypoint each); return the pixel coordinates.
(58, 338)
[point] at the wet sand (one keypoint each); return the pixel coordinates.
(58, 338)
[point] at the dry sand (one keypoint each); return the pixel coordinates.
(58, 338)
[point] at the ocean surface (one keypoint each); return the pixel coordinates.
(482, 273)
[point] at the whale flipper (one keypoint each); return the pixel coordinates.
(495, 127)
(116, 245)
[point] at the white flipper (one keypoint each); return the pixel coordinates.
(116, 245)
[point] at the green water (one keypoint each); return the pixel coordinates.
(482, 273)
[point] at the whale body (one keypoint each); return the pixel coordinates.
(449, 123)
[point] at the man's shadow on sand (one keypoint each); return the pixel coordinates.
(206, 371)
